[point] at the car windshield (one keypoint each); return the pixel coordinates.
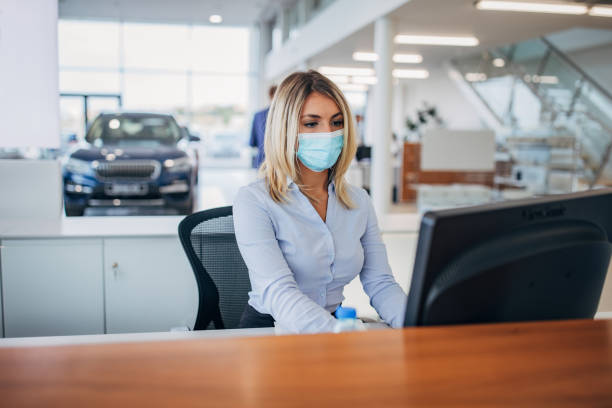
(142, 131)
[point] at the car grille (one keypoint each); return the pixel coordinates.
(128, 170)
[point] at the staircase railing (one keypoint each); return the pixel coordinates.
(534, 84)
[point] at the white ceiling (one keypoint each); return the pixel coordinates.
(443, 17)
(234, 12)
(455, 17)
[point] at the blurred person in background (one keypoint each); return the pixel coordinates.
(258, 130)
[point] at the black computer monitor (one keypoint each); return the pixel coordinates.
(536, 259)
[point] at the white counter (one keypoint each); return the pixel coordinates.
(159, 226)
(95, 227)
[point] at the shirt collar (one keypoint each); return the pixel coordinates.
(290, 183)
(331, 187)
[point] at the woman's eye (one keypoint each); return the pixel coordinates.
(310, 124)
(338, 123)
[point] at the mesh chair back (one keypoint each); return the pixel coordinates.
(223, 279)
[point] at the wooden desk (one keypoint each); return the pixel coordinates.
(529, 364)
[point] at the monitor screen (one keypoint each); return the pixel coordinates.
(537, 259)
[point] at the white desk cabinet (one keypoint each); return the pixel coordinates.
(52, 287)
(64, 286)
(149, 285)
(91, 275)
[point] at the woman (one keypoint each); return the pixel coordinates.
(303, 232)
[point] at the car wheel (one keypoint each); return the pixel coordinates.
(74, 210)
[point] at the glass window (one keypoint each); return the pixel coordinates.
(71, 116)
(156, 46)
(219, 102)
(220, 50)
(211, 90)
(89, 82)
(88, 44)
(100, 105)
(158, 92)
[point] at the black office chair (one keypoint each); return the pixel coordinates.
(223, 279)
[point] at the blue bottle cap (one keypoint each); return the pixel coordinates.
(346, 313)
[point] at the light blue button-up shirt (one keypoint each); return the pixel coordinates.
(299, 264)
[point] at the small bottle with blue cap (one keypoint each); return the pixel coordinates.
(347, 320)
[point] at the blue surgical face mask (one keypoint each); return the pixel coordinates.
(319, 151)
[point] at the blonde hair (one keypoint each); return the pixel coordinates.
(282, 126)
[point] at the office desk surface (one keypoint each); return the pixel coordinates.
(528, 364)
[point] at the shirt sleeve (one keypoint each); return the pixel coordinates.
(269, 272)
(386, 296)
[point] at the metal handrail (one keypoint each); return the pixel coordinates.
(456, 67)
(568, 60)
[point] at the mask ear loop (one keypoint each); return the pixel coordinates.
(332, 171)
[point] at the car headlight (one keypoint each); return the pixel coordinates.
(78, 166)
(180, 165)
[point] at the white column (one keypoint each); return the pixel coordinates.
(381, 161)
(369, 118)
(260, 45)
(255, 74)
(398, 108)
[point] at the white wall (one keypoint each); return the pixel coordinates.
(29, 101)
(31, 189)
(458, 150)
(441, 92)
(597, 62)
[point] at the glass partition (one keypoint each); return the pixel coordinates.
(545, 101)
(183, 71)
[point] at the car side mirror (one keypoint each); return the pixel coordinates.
(191, 137)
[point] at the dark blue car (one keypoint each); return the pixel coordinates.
(131, 159)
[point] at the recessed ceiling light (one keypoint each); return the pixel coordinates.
(215, 19)
(411, 73)
(365, 56)
(398, 58)
(436, 40)
(367, 80)
(600, 11)
(407, 58)
(353, 87)
(556, 8)
(545, 79)
(339, 79)
(499, 62)
(346, 71)
(475, 77)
